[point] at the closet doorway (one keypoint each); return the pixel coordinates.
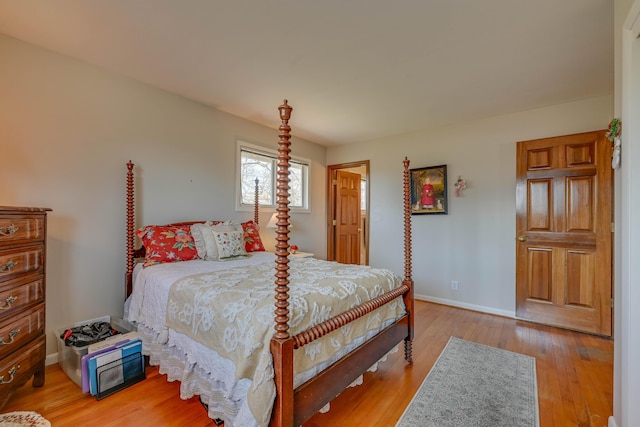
(348, 212)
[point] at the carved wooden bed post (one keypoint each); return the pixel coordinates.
(130, 229)
(256, 204)
(282, 343)
(408, 280)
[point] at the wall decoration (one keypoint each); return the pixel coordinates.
(459, 185)
(429, 190)
(613, 135)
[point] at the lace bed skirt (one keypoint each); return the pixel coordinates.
(220, 390)
(203, 373)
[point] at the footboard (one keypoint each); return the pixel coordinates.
(293, 407)
(321, 329)
(311, 396)
(297, 405)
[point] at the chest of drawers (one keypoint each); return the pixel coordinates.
(23, 240)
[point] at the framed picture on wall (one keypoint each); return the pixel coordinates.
(429, 190)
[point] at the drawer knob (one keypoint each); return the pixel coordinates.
(9, 302)
(12, 335)
(12, 229)
(8, 266)
(12, 373)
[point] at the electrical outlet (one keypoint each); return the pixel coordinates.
(454, 285)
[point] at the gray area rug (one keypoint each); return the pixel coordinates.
(476, 385)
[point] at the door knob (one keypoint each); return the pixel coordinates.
(522, 238)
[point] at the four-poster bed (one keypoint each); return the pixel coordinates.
(377, 298)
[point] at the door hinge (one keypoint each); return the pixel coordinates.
(335, 222)
(613, 227)
(334, 182)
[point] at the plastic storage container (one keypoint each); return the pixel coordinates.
(69, 357)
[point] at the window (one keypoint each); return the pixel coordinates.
(262, 163)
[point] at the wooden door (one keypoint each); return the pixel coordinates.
(348, 229)
(564, 232)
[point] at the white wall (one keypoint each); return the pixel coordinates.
(475, 242)
(66, 131)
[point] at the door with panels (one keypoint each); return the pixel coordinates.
(564, 232)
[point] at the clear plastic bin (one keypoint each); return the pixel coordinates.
(69, 357)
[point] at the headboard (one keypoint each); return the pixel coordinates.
(132, 252)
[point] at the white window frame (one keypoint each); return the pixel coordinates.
(242, 146)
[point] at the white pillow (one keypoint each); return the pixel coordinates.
(198, 238)
(205, 242)
(230, 244)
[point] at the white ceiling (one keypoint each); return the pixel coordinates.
(354, 70)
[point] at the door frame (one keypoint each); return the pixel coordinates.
(332, 171)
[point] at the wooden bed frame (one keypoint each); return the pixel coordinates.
(293, 406)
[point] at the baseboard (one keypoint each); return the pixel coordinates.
(474, 307)
(612, 422)
(51, 359)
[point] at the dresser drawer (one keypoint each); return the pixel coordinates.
(18, 293)
(19, 229)
(22, 329)
(14, 262)
(17, 368)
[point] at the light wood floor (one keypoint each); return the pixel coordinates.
(575, 380)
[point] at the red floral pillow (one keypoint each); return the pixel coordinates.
(252, 241)
(167, 243)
